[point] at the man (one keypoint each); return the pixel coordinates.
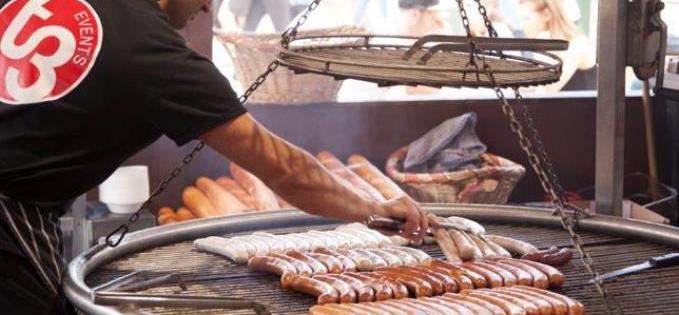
(85, 85)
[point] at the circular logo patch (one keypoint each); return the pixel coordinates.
(47, 47)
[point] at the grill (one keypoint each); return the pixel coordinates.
(612, 242)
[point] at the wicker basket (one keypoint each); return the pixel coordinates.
(492, 183)
(252, 53)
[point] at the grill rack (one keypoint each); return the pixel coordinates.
(614, 243)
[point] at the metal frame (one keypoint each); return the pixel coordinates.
(82, 296)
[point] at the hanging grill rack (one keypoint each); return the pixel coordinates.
(435, 60)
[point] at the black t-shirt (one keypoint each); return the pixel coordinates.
(69, 134)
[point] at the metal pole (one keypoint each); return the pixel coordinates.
(610, 122)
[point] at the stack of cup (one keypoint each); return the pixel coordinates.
(126, 189)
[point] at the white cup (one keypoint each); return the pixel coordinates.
(126, 189)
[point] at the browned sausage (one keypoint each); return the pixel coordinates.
(574, 307)
(536, 256)
(302, 268)
(543, 306)
(316, 266)
(540, 279)
(364, 293)
(398, 289)
(528, 306)
(439, 307)
(508, 307)
(416, 304)
(494, 280)
(496, 310)
(559, 258)
(508, 278)
(347, 294)
(390, 309)
(274, 265)
(404, 306)
(555, 276)
(477, 309)
(347, 263)
(375, 308)
(456, 269)
(324, 292)
(523, 277)
(417, 286)
(463, 283)
(461, 309)
(332, 264)
(382, 290)
(560, 308)
(449, 283)
(436, 284)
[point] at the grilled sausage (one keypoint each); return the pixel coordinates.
(528, 306)
(496, 310)
(406, 257)
(537, 256)
(363, 263)
(574, 307)
(382, 289)
(390, 309)
(421, 256)
(456, 307)
(478, 280)
(391, 259)
(493, 279)
(274, 265)
(559, 258)
(560, 308)
(447, 245)
(555, 276)
(486, 250)
(332, 264)
(324, 292)
(475, 308)
(348, 263)
(543, 306)
(523, 277)
(404, 307)
(540, 279)
(508, 307)
(499, 250)
(347, 294)
(302, 268)
(513, 245)
(398, 289)
(439, 307)
(449, 284)
(376, 260)
(436, 285)
(508, 278)
(364, 293)
(368, 309)
(416, 286)
(316, 266)
(467, 249)
(462, 282)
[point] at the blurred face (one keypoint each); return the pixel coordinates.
(181, 12)
(534, 17)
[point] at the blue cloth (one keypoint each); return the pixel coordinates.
(452, 145)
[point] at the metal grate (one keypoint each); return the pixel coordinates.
(652, 292)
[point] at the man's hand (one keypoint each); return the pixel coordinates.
(414, 217)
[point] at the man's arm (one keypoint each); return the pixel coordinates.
(300, 179)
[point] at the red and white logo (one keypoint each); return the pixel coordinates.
(47, 47)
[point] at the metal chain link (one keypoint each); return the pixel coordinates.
(287, 36)
(486, 21)
(548, 179)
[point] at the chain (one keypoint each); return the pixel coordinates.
(539, 161)
(486, 21)
(287, 36)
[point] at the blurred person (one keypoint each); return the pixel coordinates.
(477, 25)
(249, 13)
(547, 19)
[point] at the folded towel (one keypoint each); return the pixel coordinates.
(452, 145)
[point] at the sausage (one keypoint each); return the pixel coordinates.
(303, 244)
(474, 307)
(406, 258)
(225, 247)
(540, 279)
(270, 245)
(468, 225)
(371, 174)
(354, 240)
(376, 260)
(398, 289)
(486, 250)
(325, 310)
(283, 243)
(365, 308)
(528, 306)
(543, 306)
(439, 307)
(513, 245)
(332, 264)
(364, 293)
(560, 307)
(390, 309)
(302, 268)
(536, 256)
(363, 263)
(496, 310)
(574, 307)
(508, 307)
(522, 276)
(447, 245)
(508, 278)
(224, 202)
(197, 202)
(348, 263)
(478, 280)
(347, 294)
(416, 286)
(391, 259)
(324, 239)
(324, 292)
(462, 282)
(555, 276)
(456, 307)
(559, 258)
(337, 167)
(382, 289)
(237, 191)
(449, 283)
(402, 307)
(421, 256)
(436, 284)
(316, 266)
(369, 239)
(276, 266)
(265, 199)
(499, 250)
(418, 307)
(464, 245)
(493, 279)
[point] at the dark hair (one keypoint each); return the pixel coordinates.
(416, 4)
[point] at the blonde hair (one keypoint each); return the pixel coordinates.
(559, 26)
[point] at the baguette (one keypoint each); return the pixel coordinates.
(198, 203)
(371, 174)
(166, 216)
(332, 163)
(184, 214)
(224, 202)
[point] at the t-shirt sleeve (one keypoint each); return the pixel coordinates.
(178, 91)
